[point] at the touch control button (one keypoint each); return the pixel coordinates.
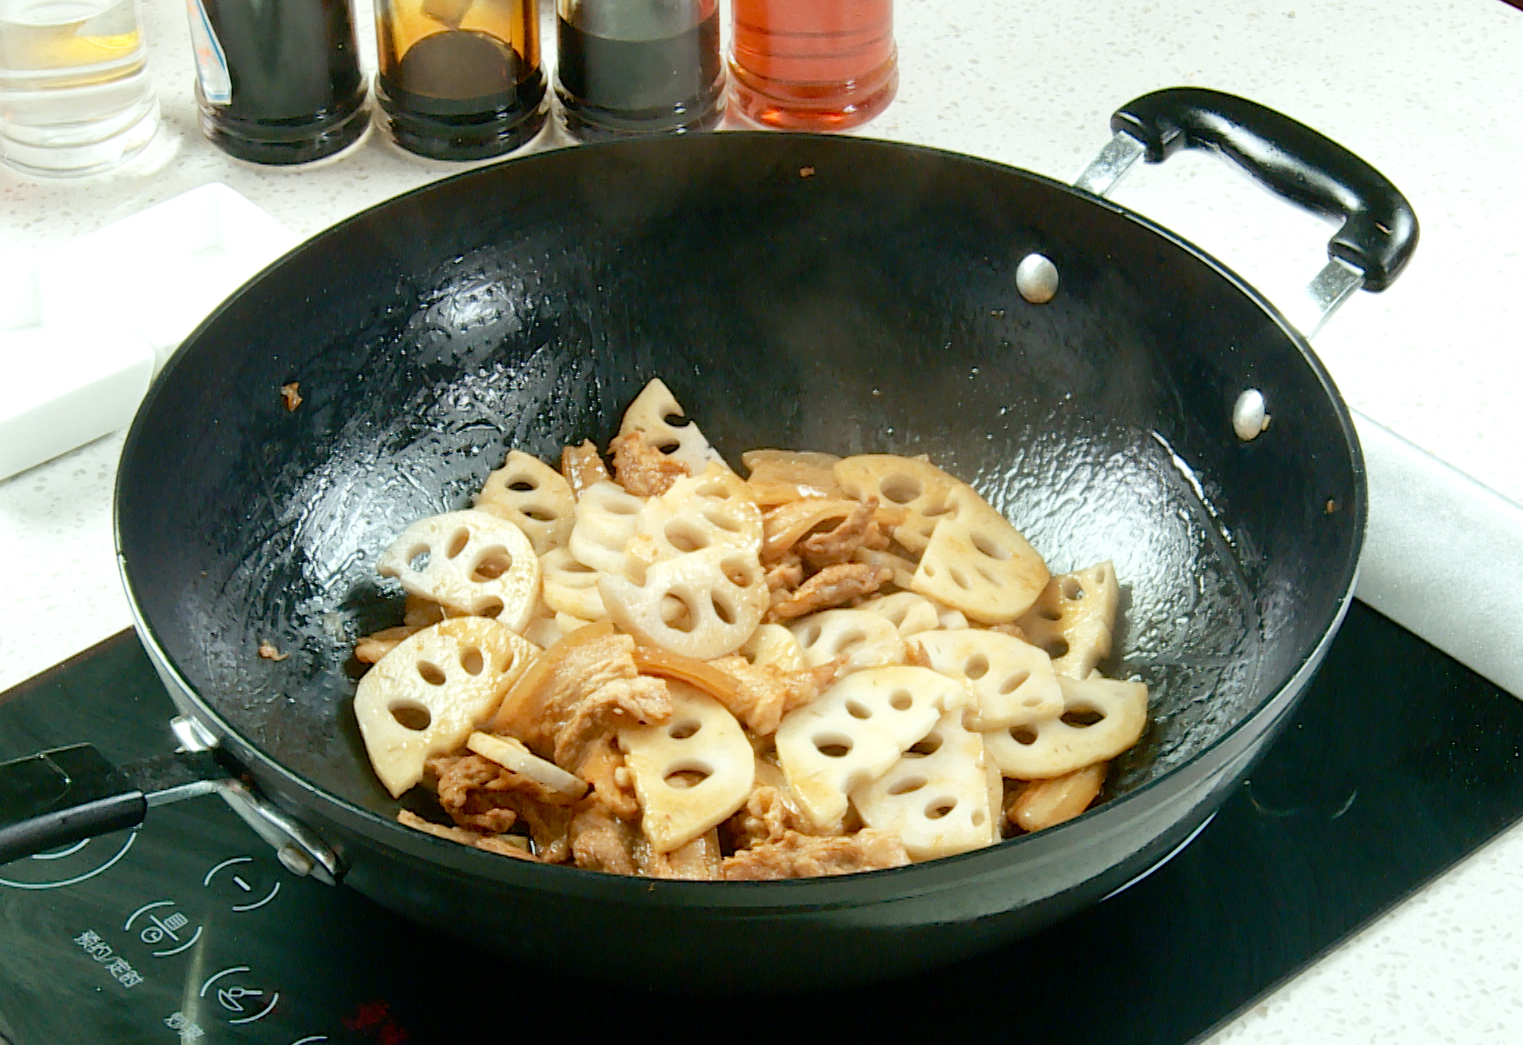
(160, 923)
(70, 865)
(241, 1003)
(241, 880)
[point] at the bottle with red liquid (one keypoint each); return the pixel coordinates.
(820, 65)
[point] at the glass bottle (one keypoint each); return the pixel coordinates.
(76, 94)
(459, 79)
(812, 64)
(638, 66)
(277, 81)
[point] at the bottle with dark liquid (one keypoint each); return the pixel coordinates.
(459, 79)
(628, 67)
(818, 65)
(278, 81)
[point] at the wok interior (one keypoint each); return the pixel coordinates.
(868, 305)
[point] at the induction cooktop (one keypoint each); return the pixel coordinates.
(1399, 762)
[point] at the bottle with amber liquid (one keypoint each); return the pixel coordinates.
(278, 81)
(459, 79)
(820, 65)
(627, 67)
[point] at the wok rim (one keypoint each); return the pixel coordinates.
(755, 897)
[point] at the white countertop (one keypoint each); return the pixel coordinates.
(1425, 90)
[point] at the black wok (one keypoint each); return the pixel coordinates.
(795, 291)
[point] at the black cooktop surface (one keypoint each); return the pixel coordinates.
(1399, 762)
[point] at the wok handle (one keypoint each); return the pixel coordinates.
(1379, 230)
(66, 795)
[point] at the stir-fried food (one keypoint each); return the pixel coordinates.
(663, 669)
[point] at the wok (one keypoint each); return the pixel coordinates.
(795, 291)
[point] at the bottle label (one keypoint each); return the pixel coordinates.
(211, 61)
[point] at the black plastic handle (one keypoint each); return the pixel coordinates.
(1379, 230)
(66, 795)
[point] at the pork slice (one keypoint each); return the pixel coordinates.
(833, 586)
(601, 841)
(465, 836)
(584, 688)
(797, 855)
(766, 692)
(839, 544)
(642, 469)
(481, 795)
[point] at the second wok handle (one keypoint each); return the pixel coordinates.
(1379, 230)
(66, 795)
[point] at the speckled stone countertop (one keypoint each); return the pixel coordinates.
(1426, 90)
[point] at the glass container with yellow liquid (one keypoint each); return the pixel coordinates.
(459, 79)
(75, 93)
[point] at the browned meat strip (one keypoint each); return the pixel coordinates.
(601, 841)
(766, 692)
(465, 836)
(857, 530)
(583, 688)
(832, 586)
(642, 469)
(788, 574)
(481, 795)
(798, 855)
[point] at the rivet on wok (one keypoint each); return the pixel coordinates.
(1037, 279)
(1248, 416)
(294, 860)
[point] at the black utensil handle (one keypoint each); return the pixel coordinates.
(72, 793)
(1379, 230)
(61, 796)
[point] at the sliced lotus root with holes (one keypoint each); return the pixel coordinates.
(1101, 718)
(711, 510)
(851, 734)
(936, 797)
(532, 495)
(471, 562)
(569, 586)
(703, 604)
(511, 754)
(865, 639)
(981, 565)
(425, 697)
(907, 612)
(774, 644)
(605, 523)
(692, 771)
(1073, 619)
(649, 414)
(994, 784)
(925, 492)
(1012, 681)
